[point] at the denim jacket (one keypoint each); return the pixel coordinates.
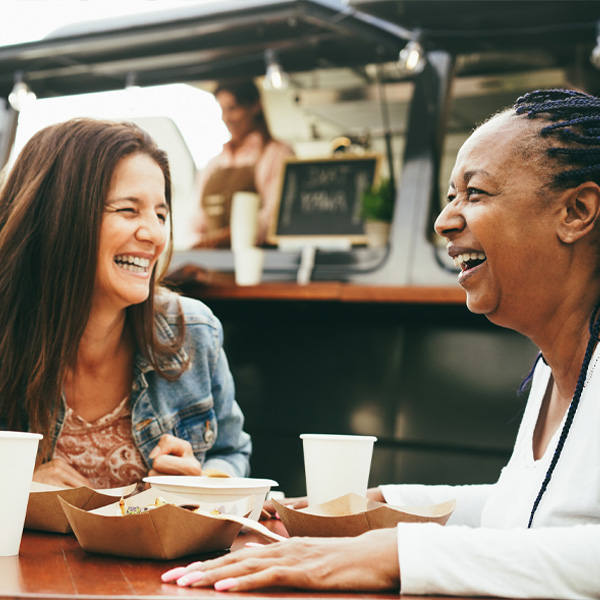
(200, 406)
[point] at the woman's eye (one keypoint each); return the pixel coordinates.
(125, 210)
(473, 193)
(450, 197)
(162, 218)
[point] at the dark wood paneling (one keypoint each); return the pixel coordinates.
(436, 384)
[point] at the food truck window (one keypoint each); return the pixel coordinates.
(339, 103)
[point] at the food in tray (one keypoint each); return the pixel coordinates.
(159, 501)
(214, 473)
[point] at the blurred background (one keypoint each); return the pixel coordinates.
(404, 79)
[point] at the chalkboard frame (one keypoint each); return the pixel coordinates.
(276, 236)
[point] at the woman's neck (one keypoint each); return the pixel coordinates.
(105, 336)
(564, 350)
(101, 378)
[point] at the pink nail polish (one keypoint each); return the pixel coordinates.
(190, 578)
(253, 545)
(225, 584)
(173, 574)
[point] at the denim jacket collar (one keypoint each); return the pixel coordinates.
(165, 333)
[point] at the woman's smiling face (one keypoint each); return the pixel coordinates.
(133, 232)
(500, 227)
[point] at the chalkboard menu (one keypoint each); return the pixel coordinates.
(321, 198)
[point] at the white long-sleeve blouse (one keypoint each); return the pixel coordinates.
(486, 548)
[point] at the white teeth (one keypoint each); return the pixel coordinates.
(133, 268)
(462, 258)
(136, 264)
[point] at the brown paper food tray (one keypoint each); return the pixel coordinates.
(45, 513)
(163, 533)
(352, 515)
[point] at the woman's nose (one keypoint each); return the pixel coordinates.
(152, 229)
(449, 221)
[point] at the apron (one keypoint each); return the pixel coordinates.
(216, 202)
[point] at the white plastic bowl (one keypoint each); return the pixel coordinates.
(215, 489)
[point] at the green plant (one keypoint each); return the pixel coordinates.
(378, 202)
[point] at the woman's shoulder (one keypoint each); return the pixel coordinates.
(194, 311)
(275, 146)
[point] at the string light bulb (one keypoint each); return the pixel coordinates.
(21, 94)
(595, 56)
(411, 60)
(275, 78)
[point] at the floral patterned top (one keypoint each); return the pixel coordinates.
(102, 451)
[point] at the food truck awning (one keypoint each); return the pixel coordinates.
(229, 38)
(201, 42)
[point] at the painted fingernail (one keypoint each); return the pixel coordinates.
(173, 574)
(253, 545)
(226, 584)
(190, 578)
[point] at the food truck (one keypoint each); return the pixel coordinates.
(341, 335)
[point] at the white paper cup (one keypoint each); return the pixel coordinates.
(248, 263)
(17, 461)
(336, 465)
(244, 219)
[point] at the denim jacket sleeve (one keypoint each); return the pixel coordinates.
(199, 406)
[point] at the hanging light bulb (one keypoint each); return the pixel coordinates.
(275, 78)
(595, 56)
(411, 60)
(21, 94)
(133, 92)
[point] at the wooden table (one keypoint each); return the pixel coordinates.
(53, 566)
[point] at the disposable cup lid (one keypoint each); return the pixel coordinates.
(14, 435)
(337, 437)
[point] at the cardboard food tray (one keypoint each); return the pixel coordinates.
(164, 533)
(352, 515)
(45, 513)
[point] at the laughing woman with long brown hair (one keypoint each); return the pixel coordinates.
(122, 377)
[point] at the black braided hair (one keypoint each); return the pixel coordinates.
(594, 328)
(575, 121)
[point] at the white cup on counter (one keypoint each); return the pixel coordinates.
(17, 462)
(244, 219)
(248, 264)
(248, 260)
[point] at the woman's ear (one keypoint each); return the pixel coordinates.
(255, 109)
(580, 213)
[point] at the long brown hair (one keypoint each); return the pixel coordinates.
(51, 209)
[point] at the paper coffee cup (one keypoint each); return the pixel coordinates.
(244, 219)
(248, 264)
(336, 465)
(17, 462)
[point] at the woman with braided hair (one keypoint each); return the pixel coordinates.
(523, 224)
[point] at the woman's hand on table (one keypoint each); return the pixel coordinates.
(174, 456)
(365, 563)
(61, 474)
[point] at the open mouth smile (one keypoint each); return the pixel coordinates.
(469, 260)
(135, 264)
